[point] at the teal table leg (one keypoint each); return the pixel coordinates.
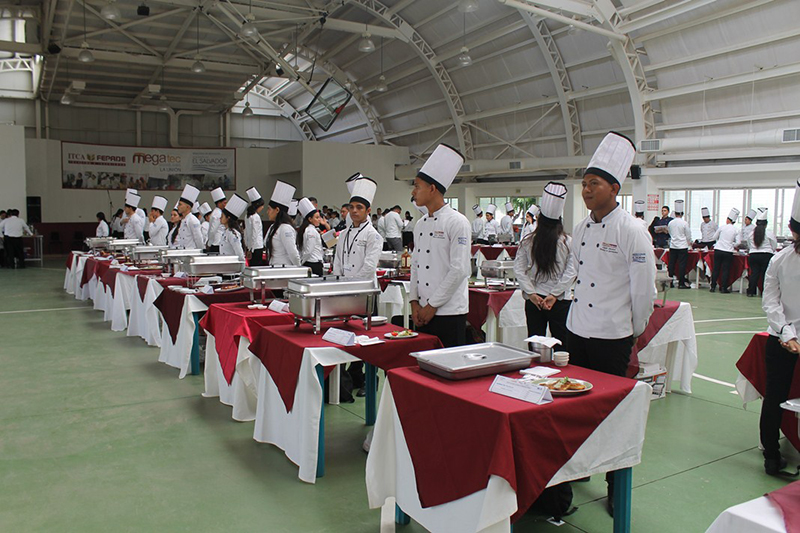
(623, 482)
(372, 395)
(400, 517)
(196, 345)
(321, 443)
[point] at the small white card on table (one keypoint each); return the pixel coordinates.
(279, 307)
(340, 337)
(521, 390)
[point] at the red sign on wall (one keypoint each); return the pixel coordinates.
(653, 202)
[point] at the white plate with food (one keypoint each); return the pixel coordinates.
(405, 334)
(564, 386)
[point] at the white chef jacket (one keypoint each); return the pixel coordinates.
(477, 228)
(254, 232)
(381, 226)
(284, 246)
(769, 245)
(15, 227)
(357, 252)
(231, 243)
(158, 231)
(781, 297)
(507, 225)
(116, 224)
(526, 271)
(440, 264)
(172, 231)
(134, 229)
(747, 232)
(615, 290)
(680, 234)
(312, 246)
(491, 228)
(527, 230)
(189, 234)
(727, 237)
(393, 225)
(204, 225)
(707, 231)
(102, 229)
(215, 228)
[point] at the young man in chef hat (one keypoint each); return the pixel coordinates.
(492, 227)
(707, 230)
(638, 213)
(440, 266)
(748, 228)
(190, 236)
(134, 227)
(680, 237)
(727, 238)
(507, 222)
(215, 228)
(478, 225)
(158, 225)
(360, 245)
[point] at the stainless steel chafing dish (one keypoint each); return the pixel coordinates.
(316, 299)
(498, 270)
(146, 253)
(98, 243)
(207, 265)
(389, 260)
(172, 257)
(474, 360)
(271, 277)
(119, 245)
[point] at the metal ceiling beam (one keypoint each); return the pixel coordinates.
(525, 6)
(730, 120)
(575, 7)
(143, 59)
(117, 27)
(508, 144)
(661, 15)
(125, 26)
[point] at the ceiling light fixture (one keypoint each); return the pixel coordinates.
(110, 11)
(468, 6)
(198, 67)
(248, 28)
(143, 10)
(163, 105)
(365, 44)
(67, 99)
(381, 87)
(85, 56)
(247, 111)
(464, 59)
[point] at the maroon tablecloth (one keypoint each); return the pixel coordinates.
(695, 256)
(88, 270)
(109, 277)
(481, 300)
(459, 434)
(493, 252)
(228, 322)
(170, 304)
(70, 257)
(280, 349)
(752, 365)
(384, 282)
(787, 499)
(738, 266)
(660, 316)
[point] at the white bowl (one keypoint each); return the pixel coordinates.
(562, 363)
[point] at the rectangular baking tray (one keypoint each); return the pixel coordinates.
(474, 360)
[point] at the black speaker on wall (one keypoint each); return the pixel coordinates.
(34, 204)
(636, 172)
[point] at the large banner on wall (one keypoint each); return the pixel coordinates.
(96, 166)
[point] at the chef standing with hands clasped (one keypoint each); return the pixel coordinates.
(190, 236)
(134, 227)
(440, 266)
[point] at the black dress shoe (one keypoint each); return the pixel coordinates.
(713, 289)
(684, 286)
(361, 392)
(773, 466)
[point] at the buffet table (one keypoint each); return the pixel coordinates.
(775, 512)
(694, 262)
(393, 300)
(738, 271)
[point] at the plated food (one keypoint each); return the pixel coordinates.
(404, 334)
(565, 386)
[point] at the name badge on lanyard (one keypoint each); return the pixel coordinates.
(347, 265)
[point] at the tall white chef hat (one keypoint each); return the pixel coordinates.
(553, 200)
(734, 215)
(351, 182)
(363, 191)
(175, 207)
(160, 203)
(794, 221)
(196, 209)
(217, 195)
(762, 214)
(705, 212)
(638, 207)
(205, 209)
(421, 208)
(282, 195)
(477, 210)
(533, 210)
(679, 206)
(253, 195)
(612, 159)
(441, 167)
(509, 207)
(235, 207)
(491, 209)
(189, 195)
(306, 207)
(752, 214)
(132, 199)
(292, 208)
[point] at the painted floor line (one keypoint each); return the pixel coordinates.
(40, 310)
(729, 319)
(712, 380)
(729, 333)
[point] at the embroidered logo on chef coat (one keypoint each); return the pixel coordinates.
(639, 257)
(438, 234)
(463, 241)
(609, 248)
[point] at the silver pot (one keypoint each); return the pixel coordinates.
(545, 352)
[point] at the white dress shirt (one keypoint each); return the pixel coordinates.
(680, 234)
(358, 251)
(491, 229)
(190, 236)
(204, 225)
(134, 228)
(215, 227)
(477, 228)
(526, 270)
(312, 246)
(284, 246)
(707, 231)
(15, 227)
(727, 237)
(102, 229)
(768, 246)
(254, 232)
(231, 243)
(440, 264)
(158, 231)
(781, 297)
(393, 225)
(381, 226)
(507, 225)
(614, 269)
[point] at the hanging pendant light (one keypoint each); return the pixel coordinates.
(365, 44)
(381, 87)
(110, 11)
(468, 6)
(162, 104)
(85, 55)
(198, 67)
(247, 111)
(249, 28)
(67, 99)
(464, 59)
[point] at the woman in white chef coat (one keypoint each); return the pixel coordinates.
(309, 241)
(541, 259)
(231, 241)
(205, 225)
(279, 242)
(103, 230)
(762, 247)
(530, 221)
(254, 229)
(781, 303)
(175, 222)
(158, 226)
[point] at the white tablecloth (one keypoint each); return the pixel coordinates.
(242, 393)
(616, 443)
(675, 341)
(179, 353)
(510, 327)
(124, 291)
(755, 516)
(145, 320)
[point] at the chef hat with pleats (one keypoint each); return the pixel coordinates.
(235, 207)
(734, 214)
(351, 182)
(705, 212)
(638, 207)
(553, 200)
(794, 221)
(282, 195)
(422, 209)
(477, 210)
(363, 191)
(509, 207)
(132, 199)
(752, 214)
(292, 208)
(253, 195)
(612, 159)
(533, 210)
(679, 206)
(441, 167)
(189, 195)
(217, 195)
(762, 214)
(196, 209)
(306, 207)
(160, 203)
(205, 209)
(491, 209)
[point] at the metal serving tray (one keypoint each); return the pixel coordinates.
(272, 277)
(174, 255)
(121, 244)
(389, 260)
(146, 253)
(475, 360)
(98, 243)
(498, 269)
(332, 286)
(318, 299)
(201, 265)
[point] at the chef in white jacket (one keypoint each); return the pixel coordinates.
(205, 214)
(280, 240)
(158, 225)
(638, 214)
(393, 226)
(680, 237)
(727, 239)
(254, 228)
(440, 266)
(492, 228)
(762, 247)
(781, 303)
(309, 241)
(748, 228)
(507, 222)
(707, 230)
(134, 227)
(478, 225)
(230, 242)
(530, 221)
(214, 227)
(360, 245)
(190, 236)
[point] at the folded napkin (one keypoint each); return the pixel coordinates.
(550, 342)
(366, 340)
(208, 289)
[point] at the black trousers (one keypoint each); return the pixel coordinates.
(556, 318)
(257, 257)
(14, 251)
(757, 264)
(704, 244)
(117, 234)
(316, 268)
(722, 269)
(481, 241)
(780, 370)
(678, 257)
(213, 249)
(451, 329)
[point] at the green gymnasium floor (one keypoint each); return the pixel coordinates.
(96, 435)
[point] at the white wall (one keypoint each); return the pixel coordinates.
(12, 175)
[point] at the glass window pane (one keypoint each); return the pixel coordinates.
(782, 225)
(728, 199)
(764, 198)
(697, 201)
(670, 197)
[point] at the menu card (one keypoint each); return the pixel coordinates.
(521, 390)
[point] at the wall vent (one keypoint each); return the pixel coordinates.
(514, 165)
(791, 135)
(649, 146)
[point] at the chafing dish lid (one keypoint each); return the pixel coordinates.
(276, 272)
(332, 286)
(212, 260)
(498, 264)
(463, 358)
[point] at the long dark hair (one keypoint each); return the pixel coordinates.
(282, 218)
(547, 237)
(302, 230)
(760, 232)
(251, 209)
(175, 228)
(234, 223)
(101, 216)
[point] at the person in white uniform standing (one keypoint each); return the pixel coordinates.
(279, 242)
(530, 221)
(230, 242)
(507, 222)
(638, 214)
(762, 247)
(214, 227)
(680, 235)
(492, 228)
(477, 225)
(440, 266)
(134, 227)
(748, 228)
(103, 229)
(614, 269)
(190, 236)
(781, 303)
(393, 226)
(726, 238)
(707, 230)
(360, 245)
(254, 228)
(205, 214)
(175, 222)
(309, 241)
(158, 226)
